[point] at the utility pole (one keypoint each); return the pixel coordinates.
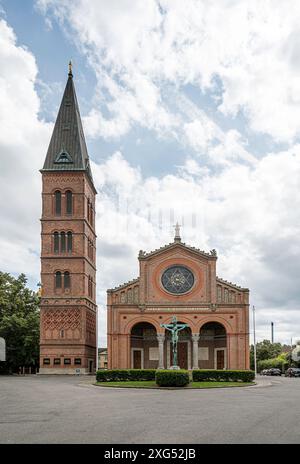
(254, 340)
(272, 332)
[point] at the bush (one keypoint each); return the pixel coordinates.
(117, 375)
(170, 378)
(212, 375)
(277, 363)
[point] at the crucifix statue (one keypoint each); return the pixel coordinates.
(174, 328)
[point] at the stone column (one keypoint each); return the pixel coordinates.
(161, 339)
(195, 338)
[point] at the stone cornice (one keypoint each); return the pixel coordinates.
(230, 284)
(126, 284)
(144, 255)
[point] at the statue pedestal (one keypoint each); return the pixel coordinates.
(174, 367)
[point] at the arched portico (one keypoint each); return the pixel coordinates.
(184, 348)
(212, 346)
(144, 352)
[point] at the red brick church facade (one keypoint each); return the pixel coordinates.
(68, 255)
(178, 280)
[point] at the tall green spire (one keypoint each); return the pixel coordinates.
(67, 150)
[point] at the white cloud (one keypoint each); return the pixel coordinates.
(23, 140)
(138, 47)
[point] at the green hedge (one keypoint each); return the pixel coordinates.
(170, 378)
(210, 375)
(115, 375)
(277, 363)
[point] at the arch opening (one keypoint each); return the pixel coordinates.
(184, 348)
(212, 346)
(143, 346)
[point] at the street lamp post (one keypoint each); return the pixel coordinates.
(254, 341)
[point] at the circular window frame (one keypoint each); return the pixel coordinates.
(172, 293)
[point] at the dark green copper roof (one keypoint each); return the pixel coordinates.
(67, 149)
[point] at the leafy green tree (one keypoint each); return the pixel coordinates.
(280, 362)
(19, 321)
(264, 350)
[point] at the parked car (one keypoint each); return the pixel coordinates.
(292, 372)
(271, 371)
(274, 371)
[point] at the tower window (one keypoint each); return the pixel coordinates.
(57, 196)
(91, 214)
(62, 242)
(69, 241)
(58, 281)
(56, 242)
(90, 287)
(69, 202)
(67, 280)
(63, 157)
(88, 209)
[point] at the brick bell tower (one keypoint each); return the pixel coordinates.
(68, 254)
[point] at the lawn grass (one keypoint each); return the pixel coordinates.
(152, 384)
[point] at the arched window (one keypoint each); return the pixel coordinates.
(62, 242)
(56, 242)
(58, 279)
(219, 293)
(69, 202)
(67, 280)
(88, 209)
(89, 286)
(226, 295)
(129, 296)
(92, 214)
(69, 241)
(136, 294)
(57, 196)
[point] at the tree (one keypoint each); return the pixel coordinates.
(19, 321)
(279, 362)
(264, 350)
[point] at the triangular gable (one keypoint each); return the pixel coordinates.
(63, 158)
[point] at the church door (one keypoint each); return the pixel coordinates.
(137, 359)
(182, 355)
(220, 359)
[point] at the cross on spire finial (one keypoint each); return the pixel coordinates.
(70, 69)
(177, 237)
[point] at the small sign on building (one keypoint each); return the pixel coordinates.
(2, 349)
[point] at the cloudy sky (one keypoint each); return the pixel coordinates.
(191, 111)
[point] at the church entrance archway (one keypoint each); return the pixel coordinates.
(144, 346)
(213, 346)
(184, 348)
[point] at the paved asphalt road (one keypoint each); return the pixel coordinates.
(44, 409)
